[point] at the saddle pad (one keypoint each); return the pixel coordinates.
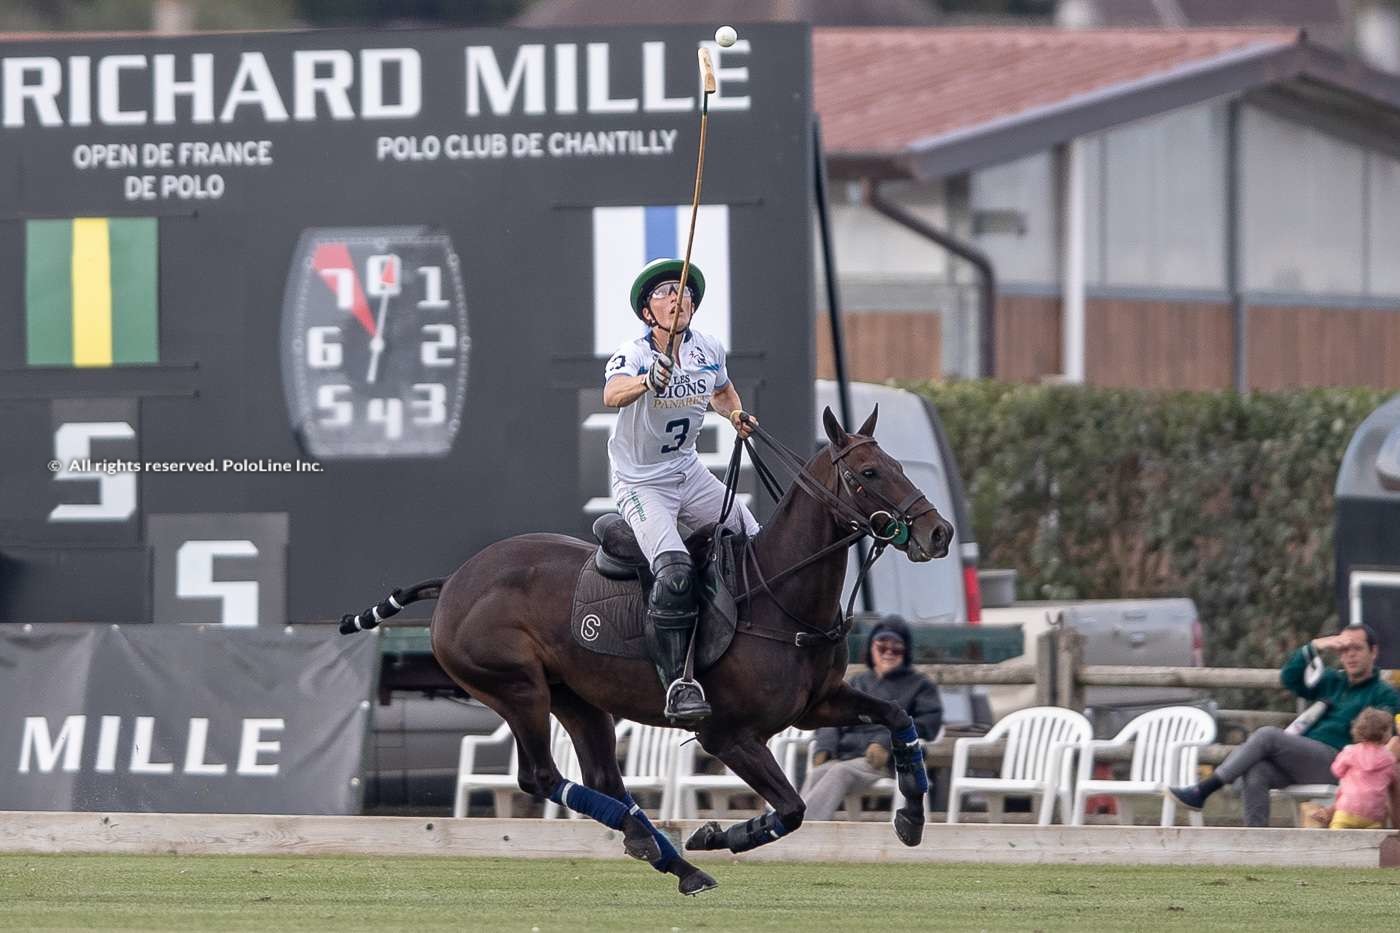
(608, 614)
(609, 617)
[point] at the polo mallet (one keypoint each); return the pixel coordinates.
(707, 82)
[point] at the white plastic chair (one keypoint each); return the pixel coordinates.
(1298, 794)
(1165, 746)
(789, 746)
(561, 747)
(650, 763)
(468, 779)
(1040, 744)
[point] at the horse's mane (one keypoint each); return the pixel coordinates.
(793, 488)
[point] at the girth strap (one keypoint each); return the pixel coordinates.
(796, 639)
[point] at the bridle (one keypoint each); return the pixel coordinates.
(888, 525)
(898, 517)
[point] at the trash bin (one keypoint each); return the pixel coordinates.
(1368, 529)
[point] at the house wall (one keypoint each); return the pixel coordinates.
(884, 345)
(1312, 346)
(1319, 231)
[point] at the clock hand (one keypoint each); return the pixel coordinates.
(332, 261)
(376, 343)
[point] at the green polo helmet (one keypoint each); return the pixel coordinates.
(664, 270)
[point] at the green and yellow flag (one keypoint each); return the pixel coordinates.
(90, 291)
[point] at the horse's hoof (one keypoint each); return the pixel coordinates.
(638, 842)
(696, 882)
(909, 830)
(643, 850)
(708, 836)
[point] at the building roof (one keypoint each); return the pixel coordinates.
(654, 12)
(926, 103)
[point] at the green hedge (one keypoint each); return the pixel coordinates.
(1103, 493)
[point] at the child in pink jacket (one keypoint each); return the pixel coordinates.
(1366, 772)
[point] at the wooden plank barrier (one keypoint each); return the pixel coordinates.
(1106, 675)
(382, 837)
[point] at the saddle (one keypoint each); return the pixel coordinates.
(609, 609)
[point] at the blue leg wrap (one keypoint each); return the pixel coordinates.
(761, 830)
(668, 851)
(909, 756)
(589, 802)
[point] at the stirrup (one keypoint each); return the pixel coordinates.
(696, 709)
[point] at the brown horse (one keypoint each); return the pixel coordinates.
(501, 630)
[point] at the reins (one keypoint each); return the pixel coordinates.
(894, 529)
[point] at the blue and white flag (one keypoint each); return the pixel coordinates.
(627, 238)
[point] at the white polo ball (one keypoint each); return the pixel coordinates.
(725, 36)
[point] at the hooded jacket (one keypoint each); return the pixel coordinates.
(1366, 773)
(914, 692)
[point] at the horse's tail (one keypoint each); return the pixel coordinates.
(390, 606)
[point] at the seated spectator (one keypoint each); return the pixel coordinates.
(851, 758)
(1273, 757)
(1366, 774)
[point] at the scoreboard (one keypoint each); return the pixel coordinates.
(287, 320)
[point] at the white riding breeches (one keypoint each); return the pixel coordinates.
(692, 495)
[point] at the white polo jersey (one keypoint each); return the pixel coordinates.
(655, 435)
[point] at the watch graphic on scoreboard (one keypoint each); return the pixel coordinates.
(374, 342)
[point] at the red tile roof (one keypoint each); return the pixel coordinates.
(883, 90)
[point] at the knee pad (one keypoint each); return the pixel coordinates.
(673, 587)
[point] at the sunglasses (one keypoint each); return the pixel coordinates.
(667, 289)
(889, 647)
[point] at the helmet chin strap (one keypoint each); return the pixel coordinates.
(653, 324)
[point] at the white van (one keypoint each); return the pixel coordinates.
(941, 591)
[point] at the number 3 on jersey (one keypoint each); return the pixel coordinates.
(681, 427)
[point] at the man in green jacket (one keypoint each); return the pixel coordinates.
(1274, 757)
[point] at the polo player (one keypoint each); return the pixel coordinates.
(657, 478)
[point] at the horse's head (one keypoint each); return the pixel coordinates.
(874, 482)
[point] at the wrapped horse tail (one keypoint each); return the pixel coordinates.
(390, 606)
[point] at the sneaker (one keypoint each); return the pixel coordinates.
(1192, 797)
(685, 702)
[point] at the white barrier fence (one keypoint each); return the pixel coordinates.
(238, 834)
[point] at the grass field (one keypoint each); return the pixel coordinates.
(274, 894)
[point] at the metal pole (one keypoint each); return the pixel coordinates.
(1239, 314)
(1072, 322)
(986, 325)
(833, 306)
(833, 298)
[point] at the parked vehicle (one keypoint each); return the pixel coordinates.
(1367, 536)
(934, 594)
(941, 591)
(1135, 632)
